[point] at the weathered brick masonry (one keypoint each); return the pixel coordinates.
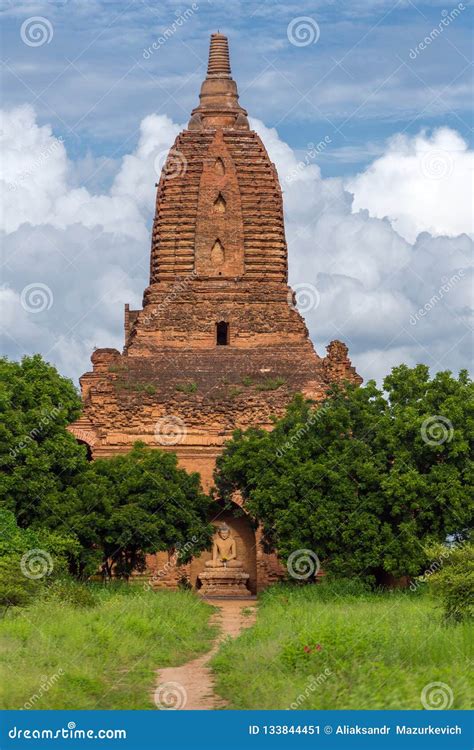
(219, 343)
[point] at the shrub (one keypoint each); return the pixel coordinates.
(270, 384)
(187, 387)
(453, 580)
(15, 589)
(30, 558)
(234, 392)
(68, 591)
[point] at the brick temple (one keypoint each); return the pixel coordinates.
(218, 343)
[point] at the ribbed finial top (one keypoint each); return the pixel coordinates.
(219, 99)
(219, 62)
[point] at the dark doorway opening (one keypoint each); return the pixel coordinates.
(222, 333)
(88, 449)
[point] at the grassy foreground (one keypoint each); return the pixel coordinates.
(100, 657)
(313, 648)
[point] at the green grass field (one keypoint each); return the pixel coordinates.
(313, 649)
(103, 657)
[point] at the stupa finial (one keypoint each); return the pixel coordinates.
(219, 100)
(219, 61)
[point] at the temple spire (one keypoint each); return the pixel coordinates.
(219, 100)
(219, 61)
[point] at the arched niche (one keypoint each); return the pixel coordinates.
(244, 534)
(220, 204)
(219, 166)
(217, 253)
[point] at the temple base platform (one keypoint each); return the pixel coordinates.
(224, 582)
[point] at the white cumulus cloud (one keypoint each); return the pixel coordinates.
(421, 183)
(391, 295)
(37, 178)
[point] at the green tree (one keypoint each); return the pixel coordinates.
(139, 503)
(364, 479)
(120, 508)
(40, 461)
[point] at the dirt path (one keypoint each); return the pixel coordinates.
(191, 686)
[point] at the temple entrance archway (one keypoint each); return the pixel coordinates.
(84, 436)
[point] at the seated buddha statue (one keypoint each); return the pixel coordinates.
(224, 550)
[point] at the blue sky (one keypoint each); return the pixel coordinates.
(356, 84)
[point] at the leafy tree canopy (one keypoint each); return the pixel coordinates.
(365, 478)
(141, 502)
(39, 460)
(119, 508)
(16, 541)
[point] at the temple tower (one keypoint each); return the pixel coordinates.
(218, 343)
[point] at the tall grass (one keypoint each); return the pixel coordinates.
(314, 647)
(54, 655)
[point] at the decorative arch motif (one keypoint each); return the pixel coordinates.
(220, 204)
(84, 436)
(219, 166)
(217, 253)
(219, 237)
